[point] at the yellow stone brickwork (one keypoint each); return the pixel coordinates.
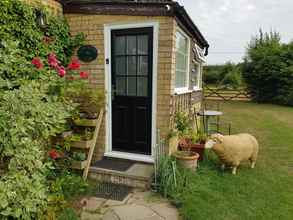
(53, 6)
(93, 27)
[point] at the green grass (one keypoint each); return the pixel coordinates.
(265, 192)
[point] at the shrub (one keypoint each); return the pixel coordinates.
(268, 69)
(32, 106)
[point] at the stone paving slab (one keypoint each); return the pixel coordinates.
(137, 206)
(135, 212)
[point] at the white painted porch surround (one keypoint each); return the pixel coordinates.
(108, 87)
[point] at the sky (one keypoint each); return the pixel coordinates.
(228, 25)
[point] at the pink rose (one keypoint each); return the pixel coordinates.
(61, 71)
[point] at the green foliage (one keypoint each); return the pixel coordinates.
(69, 185)
(18, 23)
(29, 116)
(268, 69)
(68, 214)
(32, 108)
(78, 156)
(182, 123)
(172, 180)
(211, 74)
(227, 75)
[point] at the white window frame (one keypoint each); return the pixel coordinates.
(184, 89)
(199, 80)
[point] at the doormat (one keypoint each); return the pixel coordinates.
(112, 191)
(114, 164)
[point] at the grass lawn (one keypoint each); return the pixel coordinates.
(265, 192)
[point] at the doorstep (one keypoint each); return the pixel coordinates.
(138, 175)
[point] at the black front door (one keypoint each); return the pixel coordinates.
(132, 56)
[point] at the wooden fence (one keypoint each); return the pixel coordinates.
(226, 94)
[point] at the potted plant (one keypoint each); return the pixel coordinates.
(82, 141)
(90, 102)
(190, 139)
(198, 145)
(187, 159)
(78, 160)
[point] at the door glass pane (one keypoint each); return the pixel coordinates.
(120, 86)
(120, 45)
(131, 45)
(131, 65)
(142, 65)
(120, 64)
(143, 44)
(142, 86)
(131, 86)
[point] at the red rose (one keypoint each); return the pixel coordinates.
(74, 65)
(37, 63)
(83, 75)
(52, 60)
(53, 154)
(61, 71)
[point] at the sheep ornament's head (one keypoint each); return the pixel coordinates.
(214, 140)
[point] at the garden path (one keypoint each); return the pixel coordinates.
(137, 206)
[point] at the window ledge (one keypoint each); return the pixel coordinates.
(195, 89)
(186, 91)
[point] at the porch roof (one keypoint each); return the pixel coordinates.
(138, 7)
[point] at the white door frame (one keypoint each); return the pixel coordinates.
(108, 87)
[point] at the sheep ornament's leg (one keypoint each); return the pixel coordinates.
(252, 164)
(234, 170)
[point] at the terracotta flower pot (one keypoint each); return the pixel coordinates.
(198, 148)
(187, 159)
(187, 145)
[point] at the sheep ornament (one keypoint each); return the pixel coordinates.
(234, 149)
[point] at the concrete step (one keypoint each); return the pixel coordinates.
(139, 175)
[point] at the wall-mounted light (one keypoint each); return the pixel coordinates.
(41, 19)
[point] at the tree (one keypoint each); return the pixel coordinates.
(268, 69)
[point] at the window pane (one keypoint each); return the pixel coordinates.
(131, 45)
(181, 62)
(120, 86)
(142, 65)
(180, 79)
(131, 65)
(196, 76)
(181, 42)
(120, 64)
(120, 45)
(182, 55)
(142, 86)
(131, 86)
(143, 44)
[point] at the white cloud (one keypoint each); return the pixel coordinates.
(229, 24)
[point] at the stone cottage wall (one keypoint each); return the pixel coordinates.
(53, 6)
(93, 27)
